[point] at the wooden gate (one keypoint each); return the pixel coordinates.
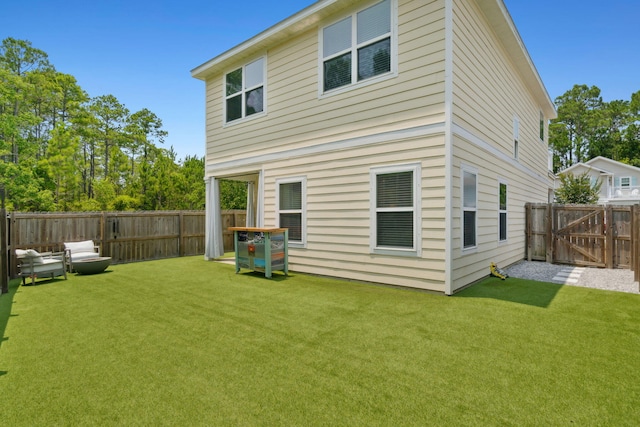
(579, 236)
(585, 235)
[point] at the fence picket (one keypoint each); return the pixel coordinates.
(124, 236)
(585, 235)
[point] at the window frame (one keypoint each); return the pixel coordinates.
(302, 211)
(626, 177)
(354, 49)
(463, 209)
(244, 91)
(416, 249)
(501, 211)
(542, 126)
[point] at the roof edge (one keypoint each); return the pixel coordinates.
(202, 71)
(518, 45)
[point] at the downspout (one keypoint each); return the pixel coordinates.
(448, 141)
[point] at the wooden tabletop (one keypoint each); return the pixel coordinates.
(258, 229)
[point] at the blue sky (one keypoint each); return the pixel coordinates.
(142, 51)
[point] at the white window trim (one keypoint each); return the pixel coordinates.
(503, 211)
(354, 48)
(303, 180)
(544, 126)
(625, 177)
(469, 169)
(244, 117)
(416, 251)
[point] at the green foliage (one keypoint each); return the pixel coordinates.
(63, 150)
(233, 194)
(125, 203)
(104, 192)
(578, 190)
(587, 127)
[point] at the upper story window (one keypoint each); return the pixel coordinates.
(541, 126)
(244, 91)
(358, 47)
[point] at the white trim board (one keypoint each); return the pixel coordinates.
(480, 143)
(380, 138)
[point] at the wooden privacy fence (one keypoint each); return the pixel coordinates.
(123, 236)
(585, 235)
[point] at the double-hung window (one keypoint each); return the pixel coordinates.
(291, 199)
(502, 211)
(469, 207)
(244, 91)
(358, 47)
(625, 182)
(395, 209)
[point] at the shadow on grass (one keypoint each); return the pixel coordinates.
(528, 292)
(275, 276)
(6, 303)
(92, 274)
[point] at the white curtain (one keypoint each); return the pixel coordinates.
(251, 216)
(260, 208)
(214, 245)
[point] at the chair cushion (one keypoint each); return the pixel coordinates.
(49, 265)
(84, 246)
(77, 256)
(30, 253)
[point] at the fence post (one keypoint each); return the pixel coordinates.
(527, 234)
(181, 233)
(13, 268)
(608, 238)
(4, 250)
(549, 236)
(635, 242)
(105, 250)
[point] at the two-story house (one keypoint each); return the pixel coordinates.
(397, 140)
(619, 182)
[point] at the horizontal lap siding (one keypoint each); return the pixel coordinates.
(338, 213)
(521, 188)
(296, 117)
(488, 92)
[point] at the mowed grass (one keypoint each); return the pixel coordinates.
(189, 342)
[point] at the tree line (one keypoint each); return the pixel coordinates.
(588, 127)
(62, 150)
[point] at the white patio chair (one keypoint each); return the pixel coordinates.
(36, 265)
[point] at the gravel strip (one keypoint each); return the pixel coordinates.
(609, 279)
(596, 278)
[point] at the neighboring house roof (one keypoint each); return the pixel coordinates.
(591, 164)
(587, 166)
(607, 161)
(495, 12)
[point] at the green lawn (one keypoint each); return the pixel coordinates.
(189, 342)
